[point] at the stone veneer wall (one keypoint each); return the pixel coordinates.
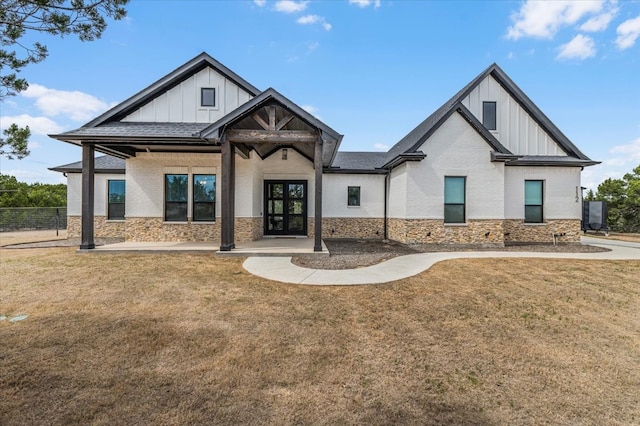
(156, 229)
(352, 227)
(516, 231)
(248, 229)
(101, 227)
(433, 231)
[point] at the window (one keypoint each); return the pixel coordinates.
(353, 196)
(115, 200)
(489, 115)
(175, 195)
(454, 198)
(533, 201)
(208, 97)
(204, 198)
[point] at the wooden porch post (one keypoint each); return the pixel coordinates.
(88, 191)
(228, 196)
(317, 160)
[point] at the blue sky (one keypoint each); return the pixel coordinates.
(372, 70)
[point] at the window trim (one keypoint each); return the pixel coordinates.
(541, 205)
(358, 199)
(202, 91)
(495, 115)
(464, 204)
(193, 196)
(109, 203)
(166, 202)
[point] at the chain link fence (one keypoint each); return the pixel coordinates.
(32, 218)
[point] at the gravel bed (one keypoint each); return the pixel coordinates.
(349, 254)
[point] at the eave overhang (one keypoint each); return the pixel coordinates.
(403, 158)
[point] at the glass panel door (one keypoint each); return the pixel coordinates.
(285, 208)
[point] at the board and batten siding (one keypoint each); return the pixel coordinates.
(334, 195)
(182, 102)
(515, 128)
(561, 191)
(74, 193)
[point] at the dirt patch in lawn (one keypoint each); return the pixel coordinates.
(194, 339)
(349, 254)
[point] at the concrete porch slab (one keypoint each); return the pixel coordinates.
(286, 247)
(276, 247)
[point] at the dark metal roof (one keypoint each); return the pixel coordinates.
(358, 160)
(135, 130)
(550, 160)
(103, 164)
(412, 141)
(170, 80)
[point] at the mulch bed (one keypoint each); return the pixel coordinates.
(349, 254)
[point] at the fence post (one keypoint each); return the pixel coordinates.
(57, 220)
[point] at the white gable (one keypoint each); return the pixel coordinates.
(516, 130)
(182, 102)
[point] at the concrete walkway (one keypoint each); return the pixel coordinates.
(281, 269)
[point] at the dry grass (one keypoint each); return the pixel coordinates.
(630, 237)
(192, 339)
(22, 237)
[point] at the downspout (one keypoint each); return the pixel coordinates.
(386, 194)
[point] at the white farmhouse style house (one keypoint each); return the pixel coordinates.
(202, 155)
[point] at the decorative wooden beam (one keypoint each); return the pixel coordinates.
(286, 120)
(227, 242)
(272, 117)
(243, 150)
(271, 136)
(260, 121)
(88, 195)
(317, 160)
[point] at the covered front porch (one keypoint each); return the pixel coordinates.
(247, 150)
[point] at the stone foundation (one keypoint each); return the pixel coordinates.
(434, 231)
(408, 231)
(516, 231)
(353, 227)
(149, 229)
(102, 227)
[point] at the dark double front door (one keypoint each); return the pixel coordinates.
(285, 207)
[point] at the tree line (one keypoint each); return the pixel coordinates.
(623, 201)
(14, 193)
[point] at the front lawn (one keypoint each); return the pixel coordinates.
(194, 339)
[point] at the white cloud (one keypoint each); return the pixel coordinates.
(381, 147)
(542, 19)
(311, 110)
(365, 3)
(290, 6)
(630, 151)
(625, 158)
(314, 19)
(260, 3)
(628, 33)
(599, 22)
(37, 125)
(581, 47)
(76, 105)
